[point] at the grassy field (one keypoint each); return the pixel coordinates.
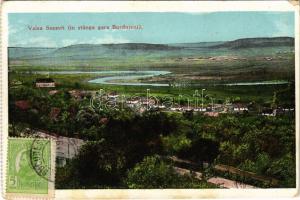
(218, 92)
(192, 66)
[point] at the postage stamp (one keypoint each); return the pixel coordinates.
(30, 167)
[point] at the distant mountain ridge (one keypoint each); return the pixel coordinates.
(86, 53)
(239, 43)
(257, 42)
(126, 46)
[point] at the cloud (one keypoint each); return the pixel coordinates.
(106, 39)
(48, 42)
(18, 36)
(67, 42)
(35, 42)
(14, 29)
(17, 27)
(109, 39)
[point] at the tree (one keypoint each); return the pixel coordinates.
(284, 169)
(98, 165)
(153, 172)
(274, 101)
(175, 143)
(200, 150)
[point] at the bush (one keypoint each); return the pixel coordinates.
(97, 165)
(153, 172)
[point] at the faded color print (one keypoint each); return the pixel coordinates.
(141, 100)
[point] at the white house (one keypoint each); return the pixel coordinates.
(44, 82)
(66, 148)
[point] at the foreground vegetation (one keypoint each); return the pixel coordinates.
(118, 148)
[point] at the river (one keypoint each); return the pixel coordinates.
(120, 78)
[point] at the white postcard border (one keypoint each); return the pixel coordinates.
(143, 6)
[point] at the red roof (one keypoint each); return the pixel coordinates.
(22, 104)
(103, 120)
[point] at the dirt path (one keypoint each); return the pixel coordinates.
(222, 182)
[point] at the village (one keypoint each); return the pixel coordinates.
(203, 102)
(198, 103)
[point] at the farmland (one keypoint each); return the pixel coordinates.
(248, 93)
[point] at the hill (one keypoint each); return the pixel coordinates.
(257, 42)
(144, 53)
(28, 52)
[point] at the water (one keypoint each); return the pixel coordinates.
(118, 78)
(257, 83)
(102, 72)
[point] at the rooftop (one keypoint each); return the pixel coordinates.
(44, 80)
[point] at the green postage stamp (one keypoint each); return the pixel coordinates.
(30, 167)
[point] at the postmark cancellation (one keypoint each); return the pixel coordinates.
(31, 168)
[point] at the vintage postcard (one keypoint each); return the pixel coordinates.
(134, 100)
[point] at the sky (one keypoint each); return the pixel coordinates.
(158, 28)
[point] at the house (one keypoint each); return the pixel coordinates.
(176, 109)
(268, 58)
(269, 112)
(283, 111)
(148, 102)
(53, 92)
(218, 107)
(187, 108)
(66, 148)
(288, 109)
(212, 114)
(44, 83)
(22, 104)
(239, 108)
(113, 95)
(78, 95)
(209, 108)
(132, 103)
(200, 110)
